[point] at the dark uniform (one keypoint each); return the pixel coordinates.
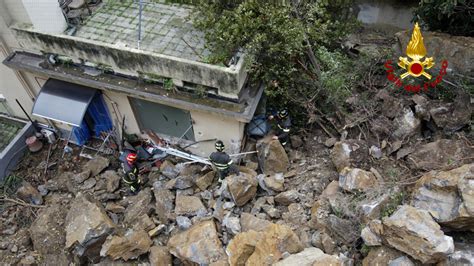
(222, 162)
(283, 129)
(131, 176)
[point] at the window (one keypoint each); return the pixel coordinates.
(4, 108)
(163, 119)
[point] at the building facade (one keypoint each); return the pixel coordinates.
(112, 63)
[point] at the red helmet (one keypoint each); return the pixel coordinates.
(131, 158)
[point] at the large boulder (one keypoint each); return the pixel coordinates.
(96, 165)
(204, 181)
(454, 115)
(199, 244)
(138, 206)
(272, 157)
(355, 179)
(381, 256)
(47, 231)
(275, 241)
(129, 246)
(242, 246)
(458, 50)
(160, 256)
(242, 187)
(349, 153)
(189, 205)
(448, 196)
(164, 202)
(440, 154)
(87, 226)
(310, 257)
(112, 180)
(406, 125)
(463, 255)
(414, 232)
(249, 222)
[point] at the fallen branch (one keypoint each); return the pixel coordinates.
(22, 203)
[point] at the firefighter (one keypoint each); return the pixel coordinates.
(221, 160)
(283, 122)
(131, 172)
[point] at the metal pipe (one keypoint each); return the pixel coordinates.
(29, 118)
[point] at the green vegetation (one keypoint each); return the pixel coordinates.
(395, 200)
(451, 16)
(10, 184)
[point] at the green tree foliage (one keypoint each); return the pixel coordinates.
(452, 16)
(290, 46)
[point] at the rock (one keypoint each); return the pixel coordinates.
(458, 49)
(157, 230)
(330, 142)
(87, 226)
(43, 190)
(249, 222)
(272, 157)
(160, 256)
(370, 238)
(180, 182)
(29, 194)
(228, 205)
(189, 205)
(275, 241)
(169, 170)
(96, 165)
(375, 152)
(130, 246)
(232, 224)
(14, 249)
(47, 231)
(406, 125)
(144, 223)
(183, 222)
(164, 202)
(463, 255)
(81, 177)
(138, 206)
(309, 257)
(242, 246)
(271, 211)
(448, 196)
(287, 197)
(349, 153)
(28, 260)
(205, 181)
(331, 190)
(112, 180)
(414, 232)
(440, 154)
(63, 183)
(401, 261)
(88, 184)
(296, 141)
(371, 208)
(114, 207)
(199, 244)
(242, 187)
(275, 182)
(343, 230)
(355, 179)
(452, 116)
(381, 256)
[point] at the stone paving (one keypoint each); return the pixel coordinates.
(166, 28)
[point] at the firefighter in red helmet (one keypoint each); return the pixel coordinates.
(131, 172)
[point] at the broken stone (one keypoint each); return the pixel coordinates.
(272, 157)
(160, 256)
(275, 182)
(355, 179)
(138, 206)
(275, 241)
(228, 205)
(232, 224)
(87, 226)
(401, 261)
(183, 222)
(414, 232)
(370, 238)
(376, 152)
(309, 257)
(112, 180)
(406, 125)
(463, 255)
(199, 244)
(349, 153)
(242, 187)
(330, 142)
(88, 184)
(81, 177)
(29, 194)
(371, 208)
(180, 182)
(189, 205)
(448, 196)
(381, 256)
(249, 222)
(43, 190)
(130, 246)
(452, 116)
(164, 202)
(242, 246)
(287, 197)
(343, 230)
(114, 207)
(296, 141)
(143, 223)
(271, 211)
(47, 231)
(157, 230)
(440, 154)
(96, 165)
(205, 181)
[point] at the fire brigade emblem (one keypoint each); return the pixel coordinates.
(416, 51)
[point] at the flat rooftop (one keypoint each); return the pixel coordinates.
(166, 28)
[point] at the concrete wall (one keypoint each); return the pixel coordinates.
(10, 156)
(130, 61)
(45, 15)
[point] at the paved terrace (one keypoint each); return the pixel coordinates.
(166, 28)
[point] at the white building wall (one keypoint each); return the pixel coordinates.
(45, 15)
